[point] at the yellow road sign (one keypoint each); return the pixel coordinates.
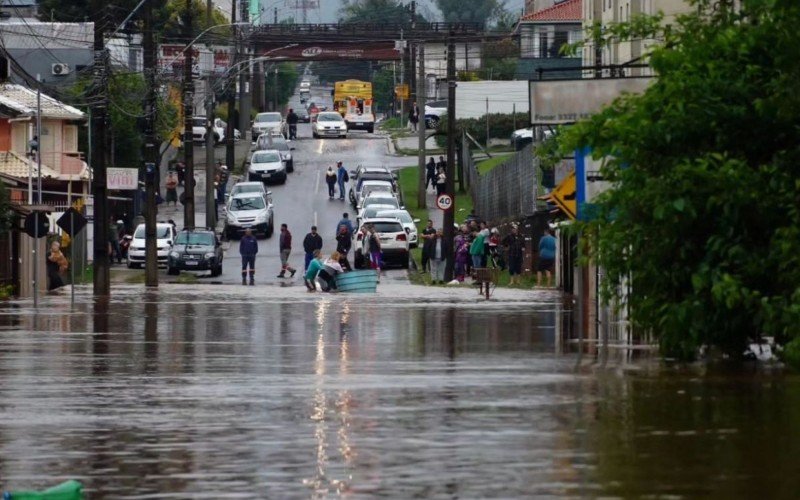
(564, 196)
(402, 91)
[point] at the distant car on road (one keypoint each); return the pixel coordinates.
(272, 123)
(248, 187)
(195, 250)
(165, 235)
(266, 166)
(329, 124)
(249, 211)
(279, 143)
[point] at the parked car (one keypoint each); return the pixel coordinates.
(268, 122)
(165, 235)
(279, 143)
(267, 165)
(249, 187)
(249, 211)
(195, 250)
(363, 174)
(219, 128)
(434, 112)
(368, 187)
(393, 238)
(388, 200)
(329, 124)
(409, 223)
(219, 123)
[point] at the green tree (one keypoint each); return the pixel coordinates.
(470, 11)
(703, 217)
(374, 11)
(288, 77)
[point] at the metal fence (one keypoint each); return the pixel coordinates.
(510, 190)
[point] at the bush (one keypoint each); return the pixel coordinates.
(500, 126)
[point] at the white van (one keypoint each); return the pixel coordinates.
(165, 236)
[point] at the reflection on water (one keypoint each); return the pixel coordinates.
(148, 397)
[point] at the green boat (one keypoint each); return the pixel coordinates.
(68, 490)
(364, 281)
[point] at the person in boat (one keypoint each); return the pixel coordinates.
(314, 267)
(327, 275)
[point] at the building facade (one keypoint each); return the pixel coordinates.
(543, 34)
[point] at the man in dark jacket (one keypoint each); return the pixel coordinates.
(291, 120)
(285, 247)
(430, 173)
(248, 248)
(312, 241)
(515, 244)
(429, 237)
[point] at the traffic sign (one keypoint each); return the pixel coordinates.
(72, 222)
(564, 196)
(402, 91)
(34, 219)
(444, 202)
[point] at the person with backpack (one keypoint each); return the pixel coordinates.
(342, 177)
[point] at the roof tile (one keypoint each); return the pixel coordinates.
(571, 10)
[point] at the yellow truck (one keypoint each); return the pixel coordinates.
(353, 100)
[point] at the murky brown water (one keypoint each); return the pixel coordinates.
(196, 396)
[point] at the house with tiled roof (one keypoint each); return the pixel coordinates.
(543, 33)
(61, 162)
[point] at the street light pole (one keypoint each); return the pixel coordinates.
(188, 124)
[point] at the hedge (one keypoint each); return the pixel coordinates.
(500, 126)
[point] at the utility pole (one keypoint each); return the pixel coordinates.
(275, 15)
(150, 149)
(421, 194)
(449, 215)
(211, 206)
(230, 94)
(244, 78)
(188, 121)
(99, 124)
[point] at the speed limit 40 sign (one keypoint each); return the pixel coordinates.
(444, 202)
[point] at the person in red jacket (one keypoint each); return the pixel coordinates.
(285, 246)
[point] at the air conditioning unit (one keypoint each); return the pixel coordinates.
(60, 69)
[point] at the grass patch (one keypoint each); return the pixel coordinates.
(391, 123)
(487, 165)
(135, 279)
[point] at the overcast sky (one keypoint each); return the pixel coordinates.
(329, 9)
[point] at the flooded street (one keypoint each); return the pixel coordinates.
(187, 393)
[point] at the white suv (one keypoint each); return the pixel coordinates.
(249, 211)
(409, 223)
(393, 238)
(165, 235)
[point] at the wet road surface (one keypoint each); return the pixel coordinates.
(209, 392)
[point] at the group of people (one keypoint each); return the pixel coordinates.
(436, 175)
(316, 266)
(339, 177)
(477, 246)
(221, 176)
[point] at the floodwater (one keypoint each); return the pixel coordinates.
(202, 395)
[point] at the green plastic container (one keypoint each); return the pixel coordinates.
(68, 490)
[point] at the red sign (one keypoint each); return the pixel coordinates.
(374, 51)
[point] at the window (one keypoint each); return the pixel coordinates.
(206, 239)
